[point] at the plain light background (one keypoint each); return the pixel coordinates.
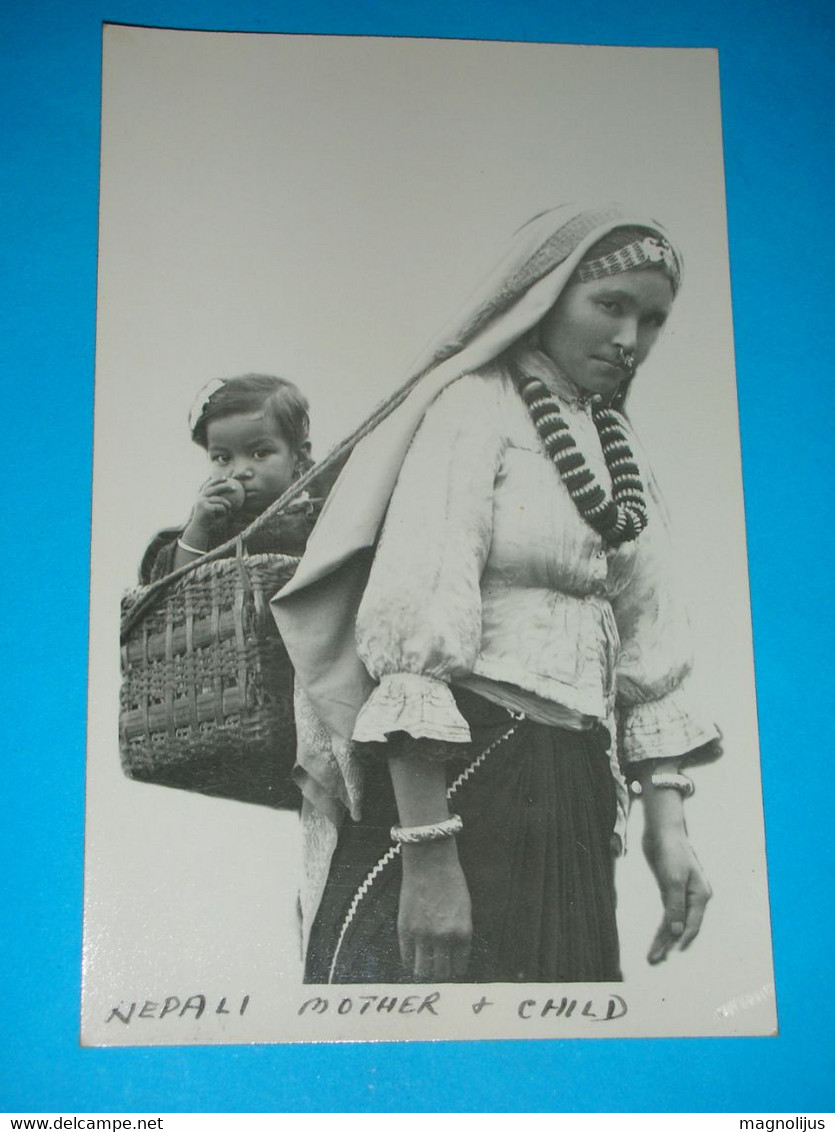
(774, 94)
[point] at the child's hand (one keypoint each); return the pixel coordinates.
(218, 499)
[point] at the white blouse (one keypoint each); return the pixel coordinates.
(486, 576)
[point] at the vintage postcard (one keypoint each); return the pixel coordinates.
(422, 695)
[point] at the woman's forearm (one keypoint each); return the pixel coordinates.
(663, 808)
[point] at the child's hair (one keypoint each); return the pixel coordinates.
(280, 399)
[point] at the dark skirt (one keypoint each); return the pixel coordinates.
(536, 849)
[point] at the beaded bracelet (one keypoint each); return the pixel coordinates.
(435, 831)
(680, 782)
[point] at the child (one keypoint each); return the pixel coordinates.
(255, 431)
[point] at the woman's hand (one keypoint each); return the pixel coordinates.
(684, 889)
(217, 500)
(434, 924)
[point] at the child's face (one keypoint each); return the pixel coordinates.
(248, 447)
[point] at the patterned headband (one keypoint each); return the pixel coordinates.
(648, 252)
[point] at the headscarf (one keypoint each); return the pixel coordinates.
(316, 611)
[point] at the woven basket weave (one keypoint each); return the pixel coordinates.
(207, 686)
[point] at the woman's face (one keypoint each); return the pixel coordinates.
(592, 324)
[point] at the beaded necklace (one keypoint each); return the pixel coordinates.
(619, 518)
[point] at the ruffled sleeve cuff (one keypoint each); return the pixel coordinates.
(668, 728)
(418, 705)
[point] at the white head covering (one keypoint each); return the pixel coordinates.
(316, 610)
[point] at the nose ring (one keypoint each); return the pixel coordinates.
(626, 360)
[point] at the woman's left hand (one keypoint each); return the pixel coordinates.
(684, 888)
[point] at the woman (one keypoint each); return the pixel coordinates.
(488, 645)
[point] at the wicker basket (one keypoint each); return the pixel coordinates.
(207, 686)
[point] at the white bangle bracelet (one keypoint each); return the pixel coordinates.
(436, 831)
(188, 549)
(680, 782)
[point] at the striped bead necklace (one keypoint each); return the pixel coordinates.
(617, 518)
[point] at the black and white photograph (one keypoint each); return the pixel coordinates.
(422, 699)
